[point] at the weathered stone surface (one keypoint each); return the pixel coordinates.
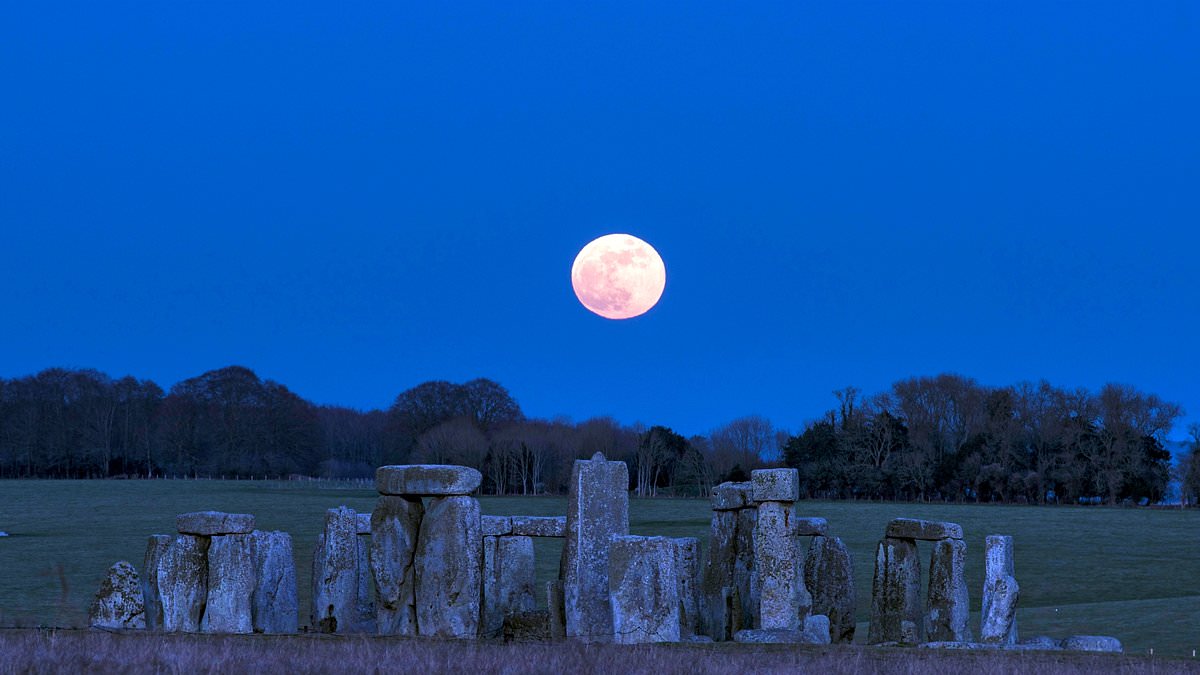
(507, 582)
(539, 526)
(809, 527)
(1092, 643)
(1041, 642)
(448, 565)
(335, 573)
(363, 524)
(364, 597)
(554, 608)
(230, 585)
(775, 485)
(829, 578)
(209, 523)
(687, 572)
(395, 523)
(717, 583)
(730, 496)
(895, 592)
(430, 480)
(745, 578)
(998, 623)
(152, 600)
(928, 530)
(644, 590)
(495, 526)
(948, 608)
(182, 576)
(118, 604)
(777, 636)
(816, 627)
(783, 600)
(274, 607)
(597, 510)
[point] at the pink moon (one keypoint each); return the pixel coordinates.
(618, 276)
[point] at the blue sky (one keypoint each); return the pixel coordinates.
(352, 200)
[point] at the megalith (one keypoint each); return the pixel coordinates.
(395, 523)
(156, 546)
(597, 510)
(783, 601)
(727, 604)
(508, 581)
(998, 621)
(948, 602)
(644, 589)
(829, 578)
(335, 588)
(687, 573)
(182, 580)
(230, 585)
(118, 604)
(448, 568)
(896, 593)
(274, 607)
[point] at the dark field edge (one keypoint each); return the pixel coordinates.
(89, 651)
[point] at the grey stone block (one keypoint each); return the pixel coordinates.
(119, 603)
(597, 510)
(948, 607)
(539, 526)
(431, 480)
(731, 496)
(448, 568)
(928, 530)
(230, 585)
(395, 523)
(209, 523)
(774, 485)
(644, 590)
(895, 593)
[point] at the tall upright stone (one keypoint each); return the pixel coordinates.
(784, 602)
(335, 573)
(182, 579)
(448, 567)
(364, 596)
(718, 575)
(230, 585)
(998, 621)
(119, 603)
(687, 572)
(948, 603)
(508, 580)
(896, 593)
(829, 578)
(597, 510)
(644, 590)
(274, 608)
(395, 523)
(156, 546)
(745, 578)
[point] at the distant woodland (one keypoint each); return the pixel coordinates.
(943, 438)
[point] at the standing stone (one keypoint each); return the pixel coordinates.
(829, 577)
(998, 623)
(274, 607)
(182, 577)
(718, 575)
(896, 593)
(364, 598)
(783, 600)
(949, 600)
(687, 572)
(507, 581)
(230, 585)
(644, 590)
(152, 598)
(335, 573)
(118, 604)
(448, 565)
(745, 577)
(597, 510)
(554, 605)
(395, 523)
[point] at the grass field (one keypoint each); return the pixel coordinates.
(1131, 573)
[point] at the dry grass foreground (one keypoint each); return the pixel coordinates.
(87, 651)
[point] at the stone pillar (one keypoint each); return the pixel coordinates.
(448, 566)
(829, 577)
(726, 601)
(395, 523)
(156, 546)
(687, 572)
(335, 574)
(507, 581)
(364, 599)
(745, 578)
(998, 623)
(274, 607)
(784, 603)
(644, 590)
(948, 602)
(230, 585)
(597, 510)
(896, 592)
(182, 580)
(554, 605)
(119, 603)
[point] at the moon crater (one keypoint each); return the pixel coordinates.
(618, 276)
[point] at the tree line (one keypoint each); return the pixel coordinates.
(944, 438)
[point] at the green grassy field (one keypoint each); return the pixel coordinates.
(1130, 573)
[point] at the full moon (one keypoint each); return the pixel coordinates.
(618, 276)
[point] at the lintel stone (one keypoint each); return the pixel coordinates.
(209, 523)
(775, 485)
(539, 526)
(434, 480)
(927, 530)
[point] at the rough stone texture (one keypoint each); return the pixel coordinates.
(745, 577)
(687, 572)
(539, 526)
(998, 623)
(363, 524)
(948, 609)
(395, 523)
(775, 485)
(597, 510)
(335, 573)
(809, 527)
(209, 523)
(274, 607)
(783, 600)
(182, 577)
(730, 496)
(554, 608)
(895, 592)
(430, 480)
(448, 565)
(829, 578)
(152, 598)
(1041, 642)
(507, 582)
(1092, 643)
(230, 585)
(118, 603)
(495, 526)
(928, 530)
(644, 590)
(816, 626)
(779, 636)
(364, 598)
(717, 584)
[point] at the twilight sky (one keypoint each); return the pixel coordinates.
(354, 199)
